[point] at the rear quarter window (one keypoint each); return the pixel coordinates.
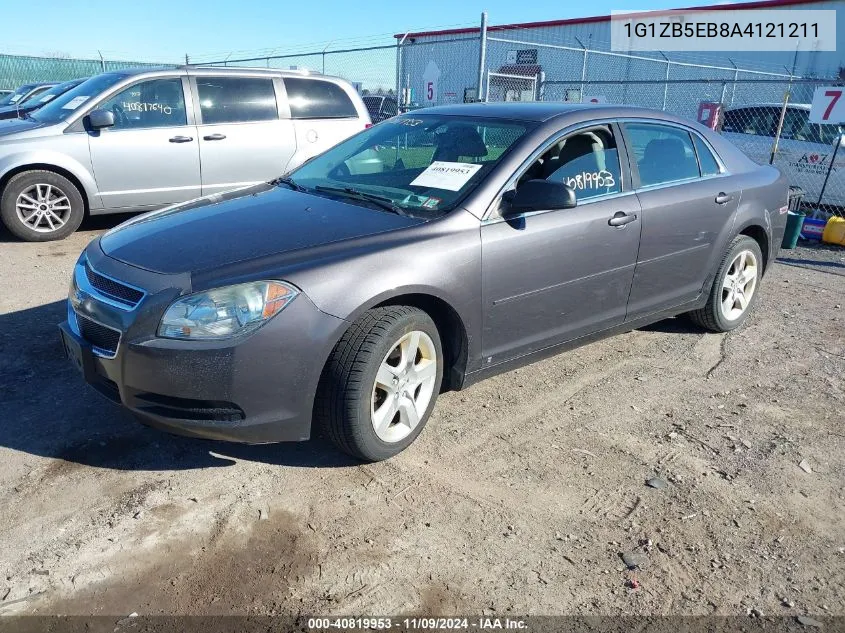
(706, 161)
(317, 99)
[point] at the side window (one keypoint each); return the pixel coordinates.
(149, 104)
(587, 161)
(706, 160)
(754, 121)
(316, 99)
(236, 99)
(796, 125)
(663, 153)
(389, 108)
(733, 121)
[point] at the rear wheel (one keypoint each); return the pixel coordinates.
(381, 382)
(39, 206)
(734, 288)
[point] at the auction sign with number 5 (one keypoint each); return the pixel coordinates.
(828, 105)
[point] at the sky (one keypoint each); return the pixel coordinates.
(165, 30)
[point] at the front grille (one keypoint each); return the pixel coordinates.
(112, 289)
(101, 337)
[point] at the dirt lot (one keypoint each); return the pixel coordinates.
(519, 498)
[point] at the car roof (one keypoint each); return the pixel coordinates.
(224, 70)
(540, 111)
(799, 106)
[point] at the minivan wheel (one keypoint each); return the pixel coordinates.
(734, 288)
(380, 383)
(39, 206)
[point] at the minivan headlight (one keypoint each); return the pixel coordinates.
(225, 312)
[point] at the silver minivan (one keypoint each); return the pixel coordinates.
(138, 140)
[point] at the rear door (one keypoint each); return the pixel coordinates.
(150, 157)
(323, 114)
(688, 202)
(243, 137)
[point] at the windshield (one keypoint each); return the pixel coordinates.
(40, 98)
(13, 97)
(424, 165)
(64, 105)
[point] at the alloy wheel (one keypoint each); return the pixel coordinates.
(738, 285)
(404, 386)
(43, 208)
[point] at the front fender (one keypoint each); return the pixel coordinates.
(45, 159)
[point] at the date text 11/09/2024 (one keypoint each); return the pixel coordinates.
(417, 623)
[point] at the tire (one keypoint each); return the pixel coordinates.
(730, 290)
(53, 198)
(352, 399)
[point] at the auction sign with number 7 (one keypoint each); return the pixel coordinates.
(828, 106)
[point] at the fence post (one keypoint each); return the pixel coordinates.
(482, 56)
(102, 61)
(400, 98)
(666, 83)
(736, 79)
(780, 127)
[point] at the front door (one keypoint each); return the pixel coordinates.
(687, 215)
(150, 158)
(554, 276)
(243, 140)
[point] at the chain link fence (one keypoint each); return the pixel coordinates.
(371, 70)
(516, 66)
(16, 70)
(745, 105)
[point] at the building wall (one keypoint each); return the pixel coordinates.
(457, 55)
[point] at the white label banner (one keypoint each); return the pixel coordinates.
(735, 29)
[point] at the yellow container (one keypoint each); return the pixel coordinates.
(834, 231)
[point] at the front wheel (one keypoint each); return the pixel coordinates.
(381, 382)
(40, 206)
(734, 288)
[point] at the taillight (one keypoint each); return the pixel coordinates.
(367, 125)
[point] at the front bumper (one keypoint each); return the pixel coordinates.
(256, 388)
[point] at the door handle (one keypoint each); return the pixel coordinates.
(181, 139)
(214, 137)
(723, 198)
(620, 218)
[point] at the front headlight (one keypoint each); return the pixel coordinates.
(225, 312)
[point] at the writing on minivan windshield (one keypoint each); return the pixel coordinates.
(424, 164)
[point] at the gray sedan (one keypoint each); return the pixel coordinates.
(477, 238)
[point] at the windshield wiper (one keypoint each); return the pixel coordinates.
(286, 180)
(381, 201)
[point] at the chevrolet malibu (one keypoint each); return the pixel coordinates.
(479, 238)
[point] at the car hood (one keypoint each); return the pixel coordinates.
(246, 224)
(12, 126)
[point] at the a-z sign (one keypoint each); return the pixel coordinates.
(828, 105)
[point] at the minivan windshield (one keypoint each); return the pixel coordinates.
(422, 165)
(64, 105)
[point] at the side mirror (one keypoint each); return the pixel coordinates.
(98, 119)
(540, 195)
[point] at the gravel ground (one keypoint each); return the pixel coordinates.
(520, 497)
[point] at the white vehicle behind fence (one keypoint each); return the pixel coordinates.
(804, 150)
